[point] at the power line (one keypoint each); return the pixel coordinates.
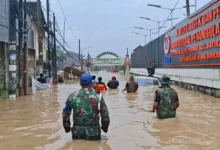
(56, 38)
(63, 46)
(167, 18)
(3, 26)
(67, 19)
(59, 32)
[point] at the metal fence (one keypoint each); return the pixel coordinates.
(152, 51)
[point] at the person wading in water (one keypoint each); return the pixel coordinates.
(100, 86)
(166, 100)
(113, 84)
(131, 86)
(41, 79)
(87, 105)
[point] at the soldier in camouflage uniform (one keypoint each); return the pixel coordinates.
(86, 106)
(166, 100)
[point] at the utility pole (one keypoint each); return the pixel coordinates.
(195, 5)
(12, 55)
(25, 49)
(145, 36)
(79, 50)
(54, 51)
(48, 37)
(81, 65)
(40, 35)
(64, 28)
(187, 8)
(20, 50)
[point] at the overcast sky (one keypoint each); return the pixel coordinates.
(106, 25)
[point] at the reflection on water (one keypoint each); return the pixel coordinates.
(34, 122)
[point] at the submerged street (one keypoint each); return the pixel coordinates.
(35, 121)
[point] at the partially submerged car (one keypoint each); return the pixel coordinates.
(147, 81)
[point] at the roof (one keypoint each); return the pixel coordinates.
(32, 9)
(138, 48)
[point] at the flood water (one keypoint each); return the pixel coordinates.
(35, 122)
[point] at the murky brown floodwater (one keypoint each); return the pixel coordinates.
(35, 123)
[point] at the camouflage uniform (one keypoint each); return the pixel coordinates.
(86, 111)
(131, 86)
(167, 98)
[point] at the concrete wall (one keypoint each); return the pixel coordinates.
(203, 77)
(139, 71)
(4, 20)
(36, 43)
(44, 45)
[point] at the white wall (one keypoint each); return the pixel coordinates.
(203, 77)
(36, 43)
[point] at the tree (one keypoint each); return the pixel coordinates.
(61, 55)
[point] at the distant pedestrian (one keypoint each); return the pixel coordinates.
(100, 86)
(113, 83)
(41, 79)
(60, 78)
(87, 107)
(166, 100)
(131, 86)
(93, 81)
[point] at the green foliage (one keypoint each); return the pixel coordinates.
(2, 92)
(123, 68)
(2, 87)
(61, 55)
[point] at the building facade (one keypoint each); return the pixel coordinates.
(4, 39)
(9, 10)
(191, 43)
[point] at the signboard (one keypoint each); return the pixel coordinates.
(167, 43)
(195, 41)
(118, 61)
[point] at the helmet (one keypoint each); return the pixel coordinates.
(85, 79)
(114, 77)
(165, 79)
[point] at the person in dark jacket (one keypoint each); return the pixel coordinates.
(113, 84)
(41, 79)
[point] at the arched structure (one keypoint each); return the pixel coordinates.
(108, 53)
(117, 61)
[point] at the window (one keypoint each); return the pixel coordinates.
(147, 81)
